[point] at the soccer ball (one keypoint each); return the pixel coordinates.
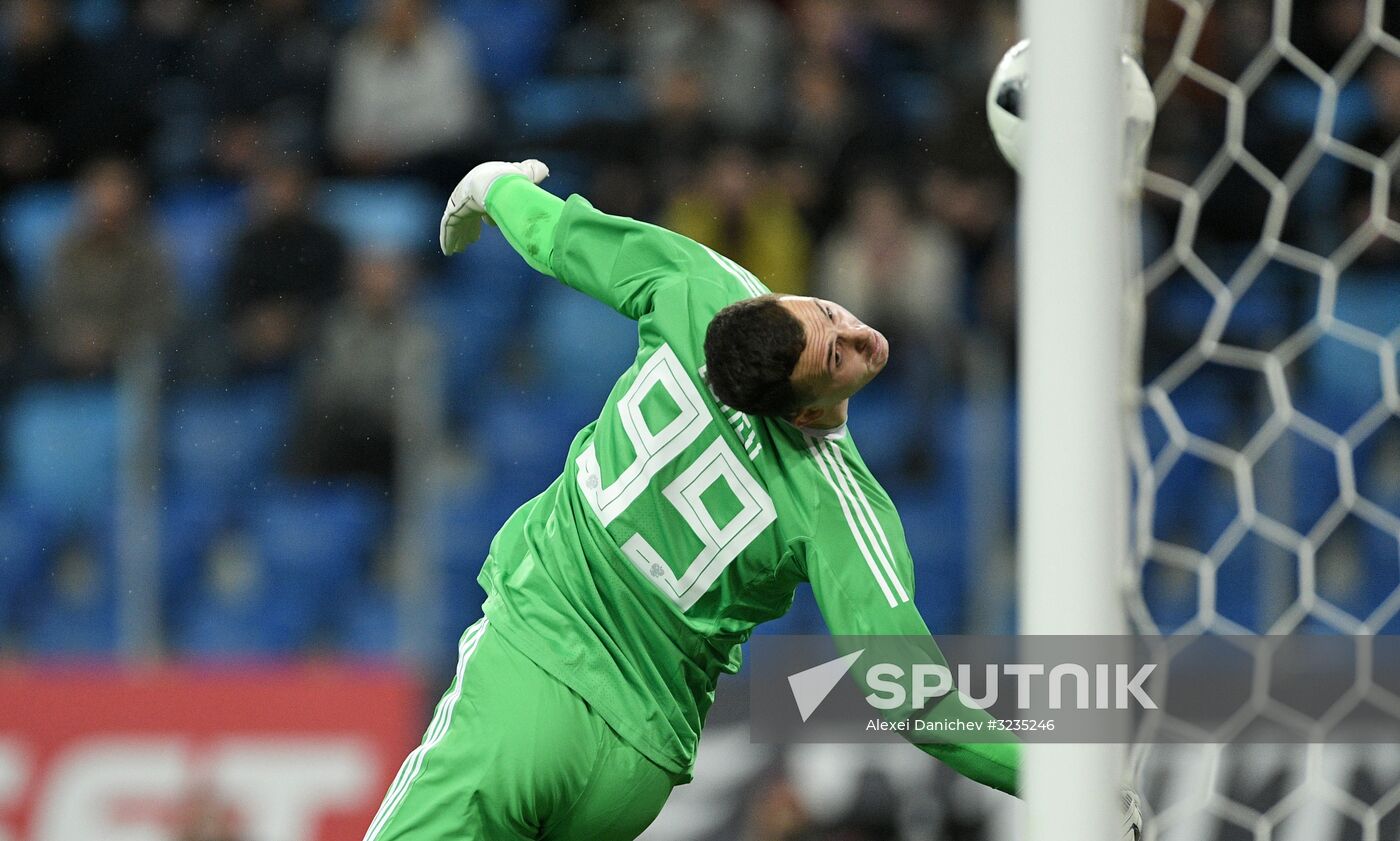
(1006, 102)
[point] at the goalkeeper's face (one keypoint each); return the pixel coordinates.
(841, 354)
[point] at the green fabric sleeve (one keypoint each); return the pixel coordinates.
(862, 576)
(528, 217)
(622, 262)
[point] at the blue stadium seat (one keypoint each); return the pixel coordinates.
(549, 108)
(581, 346)
(97, 19)
(1171, 596)
(525, 436)
(467, 519)
(1203, 409)
(883, 425)
(191, 520)
(251, 625)
(1247, 576)
(314, 541)
(1154, 431)
(1342, 384)
(1374, 462)
(936, 530)
(26, 538)
(389, 214)
(368, 624)
(918, 98)
(1369, 300)
(493, 277)
(227, 441)
(35, 219)
(1294, 101)
(804, 617)
(462, 598)
(476, 310)
(1257, 318)
(570, 171)
(76, 630)
(512, 37)
(1180, 305)
(473, 345)
(1360, 589)
(343, 13)
(956, 419)
(199, 223)
(1195, 502)
(62, 447)
(79, 623)
(1315, 485)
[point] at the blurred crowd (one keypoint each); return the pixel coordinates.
(831, 147)
(242, 198)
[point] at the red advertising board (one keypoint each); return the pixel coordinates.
(284, 753)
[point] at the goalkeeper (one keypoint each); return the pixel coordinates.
(718, 476)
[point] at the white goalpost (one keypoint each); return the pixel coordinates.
(1073, 467)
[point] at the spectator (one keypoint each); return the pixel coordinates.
(1383, 253)
(900, 272)
(284, 266)
(13, 330)
(974, 201)
(971, 202)
(47, 81)
(158, 88)
(725, 58)
(404, 96)
(828, 132)
(268, 64)
(831, 30)
(775, 813)
(734, 208)
(1325, 29)
(109, 285)
(369, 357)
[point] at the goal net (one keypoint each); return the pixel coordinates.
(1264, 437)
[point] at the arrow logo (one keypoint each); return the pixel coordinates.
(810, 687)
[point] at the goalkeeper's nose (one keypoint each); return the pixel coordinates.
(861, 339)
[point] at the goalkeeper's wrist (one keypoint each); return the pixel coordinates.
(528, 216)
(492, 189)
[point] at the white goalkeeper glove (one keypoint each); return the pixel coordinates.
(461, 221)
(1132, 815)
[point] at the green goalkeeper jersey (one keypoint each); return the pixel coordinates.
(678, 523)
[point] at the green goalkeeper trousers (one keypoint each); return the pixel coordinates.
(512, 753)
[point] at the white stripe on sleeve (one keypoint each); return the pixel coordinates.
(856, 532)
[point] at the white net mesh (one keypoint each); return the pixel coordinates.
(1266, 435)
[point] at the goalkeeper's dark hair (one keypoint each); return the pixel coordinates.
(751, 348)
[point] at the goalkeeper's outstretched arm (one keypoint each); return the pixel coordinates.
(857, 602)
(619, 261)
